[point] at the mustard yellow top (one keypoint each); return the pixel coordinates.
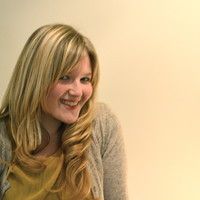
(35, 186)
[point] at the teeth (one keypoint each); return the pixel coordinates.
(69, 103)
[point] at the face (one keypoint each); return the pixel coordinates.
(66, 97)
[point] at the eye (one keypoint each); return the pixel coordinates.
(64, 78)
(86, 80)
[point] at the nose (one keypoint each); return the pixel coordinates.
(75, 89)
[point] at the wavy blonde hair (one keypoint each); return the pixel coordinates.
(51, 51)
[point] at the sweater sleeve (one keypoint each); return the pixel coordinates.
(113, 157)
(5, 156)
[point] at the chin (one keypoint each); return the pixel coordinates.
(70, 121)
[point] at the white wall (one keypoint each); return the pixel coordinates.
(150, 67)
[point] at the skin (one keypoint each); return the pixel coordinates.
(65, 100)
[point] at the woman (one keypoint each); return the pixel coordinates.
(55, 141)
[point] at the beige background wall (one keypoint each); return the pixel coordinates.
(150, 69)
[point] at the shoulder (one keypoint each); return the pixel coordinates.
(2, 131)
(105, 118)
(106, 127)
(5, 143)
(104, 115)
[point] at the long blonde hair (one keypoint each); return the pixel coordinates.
(51, 51)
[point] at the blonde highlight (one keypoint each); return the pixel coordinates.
(49, 52)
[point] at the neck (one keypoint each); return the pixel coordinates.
(51, 136)
(50, 124)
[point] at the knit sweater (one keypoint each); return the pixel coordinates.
(107, 166)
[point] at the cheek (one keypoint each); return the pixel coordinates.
(88, 92)
(53, 95)
(55, 92)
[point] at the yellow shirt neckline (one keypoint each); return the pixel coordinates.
(35, 186)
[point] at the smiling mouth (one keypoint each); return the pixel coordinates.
(69, 103)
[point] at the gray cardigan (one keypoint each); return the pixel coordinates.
(106, 164)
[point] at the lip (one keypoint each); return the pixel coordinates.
(69, 107)
(75, 101)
